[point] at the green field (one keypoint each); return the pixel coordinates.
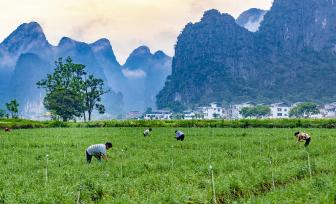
(249, 166)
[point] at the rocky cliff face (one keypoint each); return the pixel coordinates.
(294, 25)
(290, 58)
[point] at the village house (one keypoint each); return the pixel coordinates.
(280, 110)
(193, 115)
(133, 115)
(234, 111)
(328, 110)
(213, 112)
(189, 115)
(158, 115)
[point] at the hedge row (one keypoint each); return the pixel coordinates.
(245, 123)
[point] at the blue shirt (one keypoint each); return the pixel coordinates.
(97, 149)
(179, 134)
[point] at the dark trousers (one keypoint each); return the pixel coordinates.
(180, 138)
(307, 142)
(89, 157)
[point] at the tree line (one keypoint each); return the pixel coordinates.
(302, 110)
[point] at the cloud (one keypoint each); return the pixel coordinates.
(126, 23)
(138, 73)
(90, 26)
(197, 6)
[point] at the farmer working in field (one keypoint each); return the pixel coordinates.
(301, 136)
(147, 132)
(179, 135)
(98, 151)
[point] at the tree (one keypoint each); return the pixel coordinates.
(2, 113)
(64, 103)
(261, 111)
(13, 108)
(93, 91)
(71, 93)
(304, 110)
(256, 111)
(245, 112)
(63, 89)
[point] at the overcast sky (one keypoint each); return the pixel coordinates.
(126, 23)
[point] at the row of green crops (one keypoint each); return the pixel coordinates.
(245, 123)
(259, 165)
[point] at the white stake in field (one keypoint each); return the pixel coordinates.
(213, 185)
(46, 170)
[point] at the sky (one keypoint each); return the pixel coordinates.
(128, 24)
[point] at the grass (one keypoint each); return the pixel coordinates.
(159, 169)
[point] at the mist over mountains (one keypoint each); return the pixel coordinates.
(251, 19)
(285, 54)
(26, 57)
(291, 58)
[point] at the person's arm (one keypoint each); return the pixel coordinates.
(105, 157)
(299, 139)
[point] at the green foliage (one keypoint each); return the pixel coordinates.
(63, 89)
(245, 123)
(216, 60)
(93, 91)
(304, 110)
(65, 103)
(151, 170)
(13, 108)
(255, 111)
(3, 113)
(70, 93)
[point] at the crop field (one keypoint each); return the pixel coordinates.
(212, 165)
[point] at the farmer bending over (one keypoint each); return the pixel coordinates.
(98, 151)
(147, 132)
(301, 136)
(179, 135)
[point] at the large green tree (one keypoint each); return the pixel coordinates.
(63, 89)
(304, 110)
(255, 111)
(70, 93)
(13, 108)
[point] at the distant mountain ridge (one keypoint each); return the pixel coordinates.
(291, 58)
(26, 56)
(146, 73)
